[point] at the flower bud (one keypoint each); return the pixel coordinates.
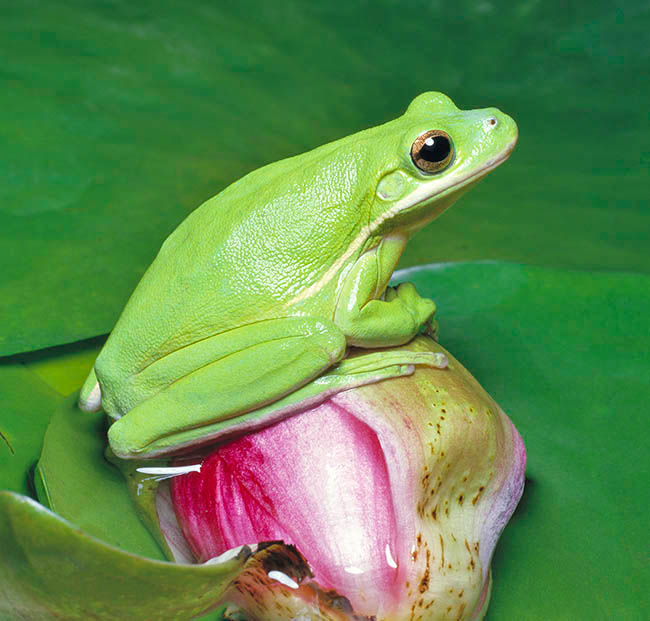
(395, 493)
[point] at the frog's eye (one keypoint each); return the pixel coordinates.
(432, 151)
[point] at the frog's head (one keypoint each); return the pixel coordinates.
(433, 154)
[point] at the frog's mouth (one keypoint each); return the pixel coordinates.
(322, 480)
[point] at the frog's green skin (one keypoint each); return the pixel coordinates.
(262, 288)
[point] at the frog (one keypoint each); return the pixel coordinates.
(252, 305)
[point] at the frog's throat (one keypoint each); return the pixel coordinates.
(418, 198)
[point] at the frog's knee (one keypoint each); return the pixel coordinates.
(122, 440)
(331, 339)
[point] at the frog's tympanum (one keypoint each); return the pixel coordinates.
(263, 288)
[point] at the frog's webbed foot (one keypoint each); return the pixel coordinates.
(222, 378)
(392, 319)
(388, 362)
(422, 309)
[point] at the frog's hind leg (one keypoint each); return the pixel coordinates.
(355, 371)
(222, 378)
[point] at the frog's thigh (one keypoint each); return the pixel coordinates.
(255, 375)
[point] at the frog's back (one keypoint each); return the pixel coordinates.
(244, 255)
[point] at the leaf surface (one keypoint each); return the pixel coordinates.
(83, 487)
(51, 569)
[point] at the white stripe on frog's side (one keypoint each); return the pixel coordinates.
(357, 242)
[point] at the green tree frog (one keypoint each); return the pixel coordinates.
(247, 312)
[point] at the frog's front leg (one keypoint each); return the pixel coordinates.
(250, 367)
(367, 320)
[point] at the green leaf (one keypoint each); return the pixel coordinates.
(566, 355)
(51, 569)
(119, 118)
(77, 482)
(26, 404)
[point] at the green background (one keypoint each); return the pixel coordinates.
(118, 118)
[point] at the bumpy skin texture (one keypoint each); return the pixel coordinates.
(263, 287)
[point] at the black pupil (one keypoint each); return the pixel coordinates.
(435, 149)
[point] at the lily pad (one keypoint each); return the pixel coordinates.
(63, 368)
(119, 118)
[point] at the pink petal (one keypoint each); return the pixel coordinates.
(318, 480)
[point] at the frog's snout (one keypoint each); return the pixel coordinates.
(496, 120)
(501, 128)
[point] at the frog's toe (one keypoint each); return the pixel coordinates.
(90, 397)
(123, 442)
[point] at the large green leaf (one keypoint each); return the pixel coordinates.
(120, 117)
(52, 570)
(566, 355)
(32, 386)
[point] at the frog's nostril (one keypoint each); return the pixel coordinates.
(490, 123)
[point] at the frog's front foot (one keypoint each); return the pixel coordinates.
(422, 309)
